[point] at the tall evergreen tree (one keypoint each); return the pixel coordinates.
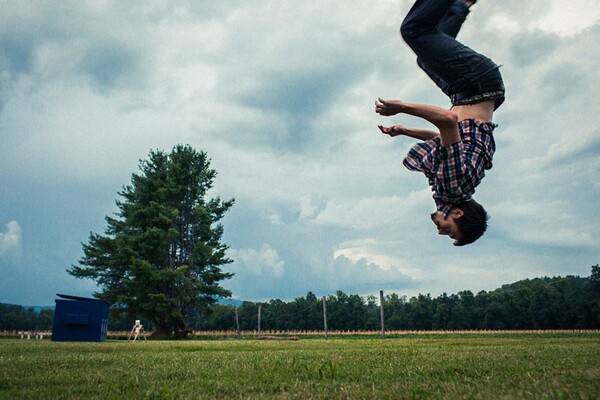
(161, 257)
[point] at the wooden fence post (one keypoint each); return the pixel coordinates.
(381, 314)
(325, 317)
(259, 310)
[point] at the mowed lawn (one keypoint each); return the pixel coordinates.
(411, 367)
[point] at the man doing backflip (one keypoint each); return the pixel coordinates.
(455, 157)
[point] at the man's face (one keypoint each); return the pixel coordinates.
(447, 226)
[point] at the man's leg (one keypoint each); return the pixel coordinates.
(424, 18)
(454, 18)
(452, 65)
(449, 25)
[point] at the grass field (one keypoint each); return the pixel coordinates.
(412, 367)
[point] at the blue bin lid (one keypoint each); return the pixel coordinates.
(69, 297)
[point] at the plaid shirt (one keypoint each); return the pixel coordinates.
(455, 171)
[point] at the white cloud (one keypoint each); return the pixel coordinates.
(569, 18)
(11, 239)
(307, 207)
(262, 262)
(379, 252)
(557, 237)
(364, 277)
(563, 223)
(374, 212)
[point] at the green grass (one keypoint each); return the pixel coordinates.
(465, 367)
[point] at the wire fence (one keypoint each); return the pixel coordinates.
(303, 334)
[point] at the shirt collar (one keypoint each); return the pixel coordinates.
(444, 208)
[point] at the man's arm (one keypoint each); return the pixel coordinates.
(417, 133)
(445, 120)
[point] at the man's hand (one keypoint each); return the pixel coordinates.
(388, 107)
(394, 130)
(445, 120)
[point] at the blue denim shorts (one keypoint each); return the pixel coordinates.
(486, 88)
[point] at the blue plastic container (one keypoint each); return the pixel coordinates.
(79, 319)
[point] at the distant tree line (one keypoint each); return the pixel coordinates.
(570, 302)
(15, 317)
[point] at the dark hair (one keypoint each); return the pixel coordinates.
(472, 224)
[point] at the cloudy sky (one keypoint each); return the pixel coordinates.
(280, 95)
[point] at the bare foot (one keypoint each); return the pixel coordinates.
(469, 3)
